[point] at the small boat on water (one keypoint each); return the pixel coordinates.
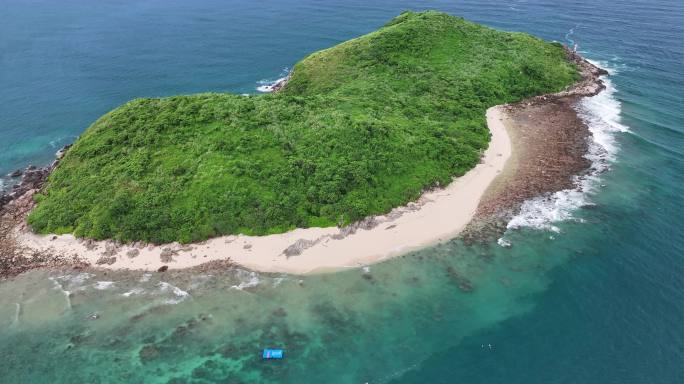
(270, 353)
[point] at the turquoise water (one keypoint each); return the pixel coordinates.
(591, 290)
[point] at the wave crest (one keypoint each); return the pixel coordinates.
(601, 114)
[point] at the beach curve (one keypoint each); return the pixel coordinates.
(438, 215)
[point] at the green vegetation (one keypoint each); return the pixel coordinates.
(360, 128)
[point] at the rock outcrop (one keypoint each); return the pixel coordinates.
(32, 178)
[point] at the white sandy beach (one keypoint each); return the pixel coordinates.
(437, 216)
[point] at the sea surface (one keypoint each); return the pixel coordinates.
(586, 286)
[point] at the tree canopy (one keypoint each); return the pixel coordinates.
(360, 128)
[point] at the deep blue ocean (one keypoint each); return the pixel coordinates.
(590, 291)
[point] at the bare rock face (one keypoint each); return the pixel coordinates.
(90, 244)
(5, 199)
(111, 249)
(109, 260)
(299, 246)
(15, 258)
(589, 85)
(367, 223)
(32, 178)
(166, 256)
(280, 84)
(62, 152)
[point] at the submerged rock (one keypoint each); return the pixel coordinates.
(32, 178)
(464, 284)
(148, 353)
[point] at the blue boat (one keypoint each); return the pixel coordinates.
(270, 353)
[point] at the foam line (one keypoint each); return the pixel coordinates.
(601, 113)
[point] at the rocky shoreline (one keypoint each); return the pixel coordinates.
(32, 178)
(549, 142)
(14, 207)
(277, 85)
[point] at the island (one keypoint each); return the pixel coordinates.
(380, 145)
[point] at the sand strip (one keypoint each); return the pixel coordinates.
(437, 216)
(549, 148)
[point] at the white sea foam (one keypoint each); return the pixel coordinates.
(503, 242)
(199, 281)
(164, 287)
(17, 313)
(267, 85)
(61, 141)
(543, 211)
(248, 279)
(81, 277)
(102, 285)
(145, 277)
(72, 282)
(601, 113)
(6, 184)
(180, 295)
(133, 292)
(569, 37)
(67, 294)
(277, 281)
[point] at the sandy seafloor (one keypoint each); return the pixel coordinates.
(589, 290)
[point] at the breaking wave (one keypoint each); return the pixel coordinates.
(247, 279)
(267, 85)
(102, 285)
(601, 113)
(66, 293)
(62, 141)
(133, 292)
(179, 294)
